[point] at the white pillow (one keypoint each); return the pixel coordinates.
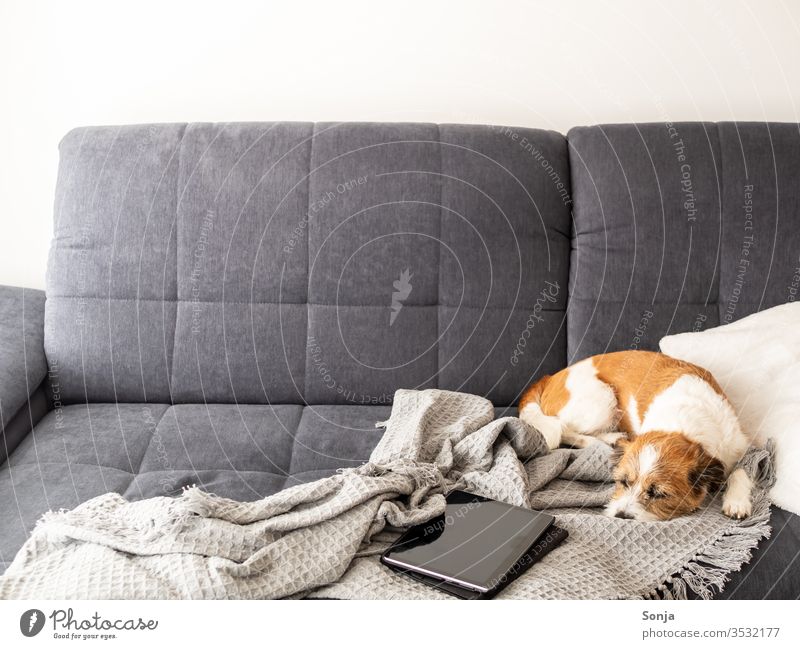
(756, 360)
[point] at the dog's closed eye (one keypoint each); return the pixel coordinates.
(654, 493)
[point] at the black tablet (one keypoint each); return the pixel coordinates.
(473, 545)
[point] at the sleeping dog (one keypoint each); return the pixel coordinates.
(680, 438)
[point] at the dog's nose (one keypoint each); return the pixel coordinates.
(622, 515)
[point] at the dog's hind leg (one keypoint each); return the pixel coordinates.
(573, 407)
(591, 412)
(578, 440)
(550, 427)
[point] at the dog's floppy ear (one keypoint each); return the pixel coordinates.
(709, 474)
(618, 450)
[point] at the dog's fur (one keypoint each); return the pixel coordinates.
(676, 436)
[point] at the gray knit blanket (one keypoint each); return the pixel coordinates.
(322, 539)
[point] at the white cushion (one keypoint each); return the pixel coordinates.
(756, 360)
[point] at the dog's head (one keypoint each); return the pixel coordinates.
(661, 476)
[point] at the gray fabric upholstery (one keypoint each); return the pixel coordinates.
(111, 280)
(144, 450)
(256, 263)
(774, 570)
(661, 247)
(662, 230)
(225, 302)
(18, 427)
(73, 454)
(23, 366)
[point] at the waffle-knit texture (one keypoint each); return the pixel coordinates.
(322, 538)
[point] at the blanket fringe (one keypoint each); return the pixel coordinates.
(424, 474)
(708, 571)
(196, 502)
(143, 523)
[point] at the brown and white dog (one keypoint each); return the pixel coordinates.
(680, 436)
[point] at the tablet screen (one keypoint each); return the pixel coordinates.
(475, 542)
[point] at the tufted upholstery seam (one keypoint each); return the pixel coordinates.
(194, 471)
(415, 146)
(68, 463)
(321, 473)
(176, 221)
(436, 303)
(718, 300)
(290, 459)
(171, 300)
(307, 216)
(643, 301)
(147, 448)
(439, 304)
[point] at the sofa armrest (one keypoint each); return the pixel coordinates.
(23, 366)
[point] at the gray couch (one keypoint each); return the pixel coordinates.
(233, 305)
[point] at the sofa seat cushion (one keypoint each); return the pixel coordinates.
(244, 452)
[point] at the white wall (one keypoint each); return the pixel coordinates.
(551, 64)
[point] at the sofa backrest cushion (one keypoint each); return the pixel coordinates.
(679, 227)
(307, 263)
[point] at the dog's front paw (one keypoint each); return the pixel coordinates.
(737, 508)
